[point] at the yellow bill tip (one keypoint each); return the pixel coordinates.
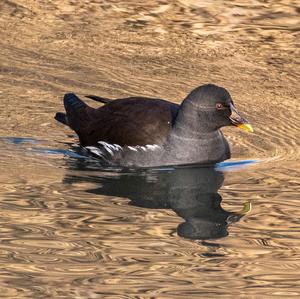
(246, 208)
(246, 127)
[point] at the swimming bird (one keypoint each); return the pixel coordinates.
(145, 132)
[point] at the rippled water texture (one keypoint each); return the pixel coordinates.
(71, 229)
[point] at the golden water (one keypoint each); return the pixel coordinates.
(70, 229)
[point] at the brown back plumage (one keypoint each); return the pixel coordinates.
(130, 121)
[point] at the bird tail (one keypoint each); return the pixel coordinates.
(73, 103)
(76, 112)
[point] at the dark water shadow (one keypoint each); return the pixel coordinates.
(191, 192)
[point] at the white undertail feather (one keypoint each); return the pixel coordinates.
(114, 147)
(95, 150)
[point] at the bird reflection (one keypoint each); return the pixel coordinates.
(191, 192)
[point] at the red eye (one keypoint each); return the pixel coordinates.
(219, 106)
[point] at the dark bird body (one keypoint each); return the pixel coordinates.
(139, 131)
(131, 121)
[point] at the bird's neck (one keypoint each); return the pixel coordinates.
(193, 140)
(192, 123)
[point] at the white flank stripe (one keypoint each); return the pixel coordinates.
(109, 150)
(132, 148)
(114, 147)
(95, 150)
(152, 147)
(118, 147)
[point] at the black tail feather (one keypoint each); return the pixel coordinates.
(62, 118)
(72, 102)
(99, 99)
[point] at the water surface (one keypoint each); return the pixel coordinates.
(71, 229)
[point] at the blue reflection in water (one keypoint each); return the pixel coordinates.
(67, 153)
(19, 140)
(47, 151)
(234, 165)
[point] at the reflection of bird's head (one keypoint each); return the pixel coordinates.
(193, 195)
(197, 228)
(204, 216)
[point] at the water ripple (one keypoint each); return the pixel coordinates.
(70, 228)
